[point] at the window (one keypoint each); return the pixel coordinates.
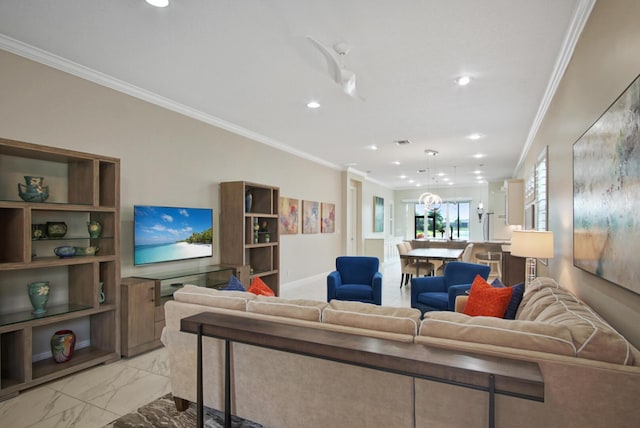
(451, 220)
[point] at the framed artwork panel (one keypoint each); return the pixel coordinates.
(328, 224)
(606, 185)
(288, 213)
(378, 214)
(310, 217)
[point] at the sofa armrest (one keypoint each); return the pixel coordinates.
(455, 291)
(377, 288)
(461, 303)
(334, 280)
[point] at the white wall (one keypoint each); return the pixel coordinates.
(604, 63)
(167, 158)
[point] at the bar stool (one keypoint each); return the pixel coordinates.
(493, 260)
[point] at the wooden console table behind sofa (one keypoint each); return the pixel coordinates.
(480, 372)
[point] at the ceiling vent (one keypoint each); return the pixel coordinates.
(403, 142)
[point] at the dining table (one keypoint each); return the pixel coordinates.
(426, 254)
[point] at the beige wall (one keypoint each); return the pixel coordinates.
(604, 63)
(167, 158)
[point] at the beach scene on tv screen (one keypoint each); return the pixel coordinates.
(166, 233)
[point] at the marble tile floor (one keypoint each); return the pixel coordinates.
(91, 398)
(95, 397)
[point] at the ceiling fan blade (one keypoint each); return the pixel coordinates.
(349, 84)
(332, 62)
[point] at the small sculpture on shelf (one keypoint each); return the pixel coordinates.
(33, 190)
(101, 297)
(38, 295)
(95, 228)
(256, 230)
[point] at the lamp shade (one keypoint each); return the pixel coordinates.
(532, 243)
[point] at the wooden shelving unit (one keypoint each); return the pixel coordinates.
(239, 243)
(82, 187)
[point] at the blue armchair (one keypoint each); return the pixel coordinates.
(355, 278)
(438, 293)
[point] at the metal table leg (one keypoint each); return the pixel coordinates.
(200, 404)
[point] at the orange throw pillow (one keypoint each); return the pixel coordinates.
(259, 287)
(484, 300)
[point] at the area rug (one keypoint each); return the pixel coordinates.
(162, 413)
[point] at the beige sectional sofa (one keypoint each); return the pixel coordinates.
(591, 373)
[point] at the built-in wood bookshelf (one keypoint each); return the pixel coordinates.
(82, 187)
(241, 242)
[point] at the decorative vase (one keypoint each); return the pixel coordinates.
(33, 190)
(248, 201)
(56, 229)
(101, 295)
(38, 295)
(63, 343)
(38, 231)
(95, 229)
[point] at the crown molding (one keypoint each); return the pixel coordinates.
(580, 17)
(46, 58)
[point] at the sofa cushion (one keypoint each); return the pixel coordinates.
(236, 300)
(234, 284)
(372, 317)
(485, 300)
(310, 310)
(546, 302)
(260, 288)
(514, 303)
(534, 336)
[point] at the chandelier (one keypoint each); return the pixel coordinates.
(431, 201)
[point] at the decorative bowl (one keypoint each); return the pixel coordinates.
(65, 251)
(86, 251)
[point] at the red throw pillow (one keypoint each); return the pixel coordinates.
(259, 287)
(485, 300)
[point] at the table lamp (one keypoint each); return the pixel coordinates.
(532, 244)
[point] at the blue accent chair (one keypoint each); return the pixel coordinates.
(355, 278)
(438, 293)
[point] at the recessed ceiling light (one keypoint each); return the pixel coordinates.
(373, 147)
(431, 152)
(403, 176)
(411, 181)
(396, 162)
(313, 104)
(463, 80)
(475, 136)
(477, 171)
(478, 155)
(158, 3)
(418, 185)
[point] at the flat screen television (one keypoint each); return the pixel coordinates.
(164, 234)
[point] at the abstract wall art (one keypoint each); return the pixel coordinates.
(310, 217)
(378, 214)
(288, 213)
(606, 185)
(328, 224)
